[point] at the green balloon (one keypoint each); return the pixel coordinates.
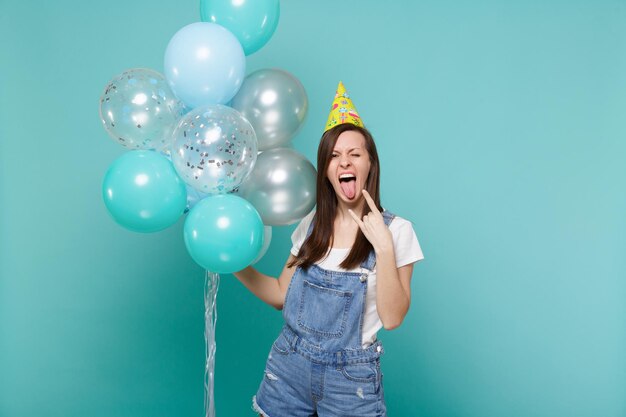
(223, 233)
(143, 193)
(253, 22)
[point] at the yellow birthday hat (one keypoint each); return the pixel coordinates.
(342, 110)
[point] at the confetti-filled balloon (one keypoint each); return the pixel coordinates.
(275, 103)
(281, 187)
(204, 64)
(139, 110)
(142, 192)
(193, 195)
(214, 149)
(223, 233)
(253, 22)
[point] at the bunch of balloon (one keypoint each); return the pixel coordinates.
(214, 151)
(229, 167)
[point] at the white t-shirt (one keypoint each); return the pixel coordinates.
(407, 250)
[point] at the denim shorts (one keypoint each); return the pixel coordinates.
(301, 382)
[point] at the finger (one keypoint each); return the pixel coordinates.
(370, 202)
(370, 223)
(356, 219)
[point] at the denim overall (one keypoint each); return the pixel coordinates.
(317, 366)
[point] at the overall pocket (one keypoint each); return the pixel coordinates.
(361, 372)
(323, 311)
(281, 345)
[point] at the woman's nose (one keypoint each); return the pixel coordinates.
(344, 161)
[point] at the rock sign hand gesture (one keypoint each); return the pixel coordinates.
(373, 226)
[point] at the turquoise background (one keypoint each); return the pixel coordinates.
(502, 136)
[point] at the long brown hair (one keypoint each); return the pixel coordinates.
(316, 246)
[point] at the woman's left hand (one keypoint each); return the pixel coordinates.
(373, 226)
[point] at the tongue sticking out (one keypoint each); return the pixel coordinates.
(349, 188)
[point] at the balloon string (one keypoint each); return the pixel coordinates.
(211, 284)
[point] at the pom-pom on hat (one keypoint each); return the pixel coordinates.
(342, 110)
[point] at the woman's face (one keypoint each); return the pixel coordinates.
(349, 166)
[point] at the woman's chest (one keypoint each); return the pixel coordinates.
(344, 237)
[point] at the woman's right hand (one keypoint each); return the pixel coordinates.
(269, 289)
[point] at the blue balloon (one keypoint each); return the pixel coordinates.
(204, 64)
(253, 22)
(143, 193)
(223, 233)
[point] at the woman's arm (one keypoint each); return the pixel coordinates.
(268, 289)
(393, 289)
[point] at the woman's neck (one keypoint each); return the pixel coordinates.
(343, 216)
(345, 229)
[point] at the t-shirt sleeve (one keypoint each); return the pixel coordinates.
(406, 247)
(299, 234)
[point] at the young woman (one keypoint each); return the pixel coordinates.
(347, 276)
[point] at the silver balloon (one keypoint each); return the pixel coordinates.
(281, 186)
(138, 109)
(214, 149)
(275, 103)
(267, 239)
